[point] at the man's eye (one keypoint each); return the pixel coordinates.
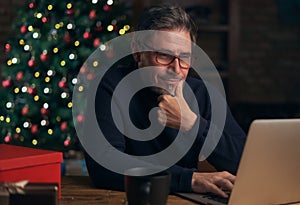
(165, 56)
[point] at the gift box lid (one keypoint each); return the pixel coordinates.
(12, 157)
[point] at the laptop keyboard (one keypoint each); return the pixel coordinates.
(217, 198)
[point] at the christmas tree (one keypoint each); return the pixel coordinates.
(53, 39)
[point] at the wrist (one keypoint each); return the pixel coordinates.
(190, 121)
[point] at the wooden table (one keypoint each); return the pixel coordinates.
(77, 190)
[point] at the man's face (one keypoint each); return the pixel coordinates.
(168, 70)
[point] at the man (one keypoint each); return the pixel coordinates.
(169, 58)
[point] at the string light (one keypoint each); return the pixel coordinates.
(70, 105)
(94, 1)
(53, 32)
(57, 26)
(36, 98)
(26, 124)
(39, 15)
(9, 62)
(110, 27)
(24, 89)
(126, 27)
(46, 105)
(34, 142)
(50, 7)
(21, 42)
(47, 79)
(63, 63)
(50, 72)
(26, 48)
(122, 31)
(110, 2)
(7, 120)
(50, 131)
(58, 118)
(46, 90)
(102, 47)
(76, 43)
(55, 50)
(14, 61)
(95, 63)
(80, 88)
(37, 74)
(98, 24)
(30, 28)
(9, 105)
(72, 56)
(64, 95)
(74, 81)
(35, 35)
(44, 123)
(22, 138)
(69, 6)
(16, 90)
(70, 26)
(2, 118)
(18, 130)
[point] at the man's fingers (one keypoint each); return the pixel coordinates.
(225, 184)
(162, 117)
(217, 183)
(228, 176)
(216, 190)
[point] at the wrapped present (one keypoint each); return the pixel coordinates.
(22, 192)
(22, 163)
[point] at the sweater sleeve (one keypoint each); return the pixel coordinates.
(227, 153)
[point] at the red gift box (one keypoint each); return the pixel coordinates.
(22, 163)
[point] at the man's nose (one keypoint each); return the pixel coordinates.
(175, 66)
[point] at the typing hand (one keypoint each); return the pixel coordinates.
(213, 182)
(170, 112)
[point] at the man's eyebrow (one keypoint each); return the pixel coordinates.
(186, 53)
(162, 50)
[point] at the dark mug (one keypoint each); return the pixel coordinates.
(147, 190)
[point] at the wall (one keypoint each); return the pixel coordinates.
(269, 55)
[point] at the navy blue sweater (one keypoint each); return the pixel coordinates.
(225, 156)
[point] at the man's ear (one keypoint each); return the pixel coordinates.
(135, 52)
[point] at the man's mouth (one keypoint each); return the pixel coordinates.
(172, 81)
(170, 84)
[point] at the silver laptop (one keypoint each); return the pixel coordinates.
(269, 170)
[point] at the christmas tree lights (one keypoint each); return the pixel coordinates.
(52, 41)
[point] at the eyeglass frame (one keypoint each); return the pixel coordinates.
(157, 53)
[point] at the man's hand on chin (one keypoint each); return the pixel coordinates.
(174, 110)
